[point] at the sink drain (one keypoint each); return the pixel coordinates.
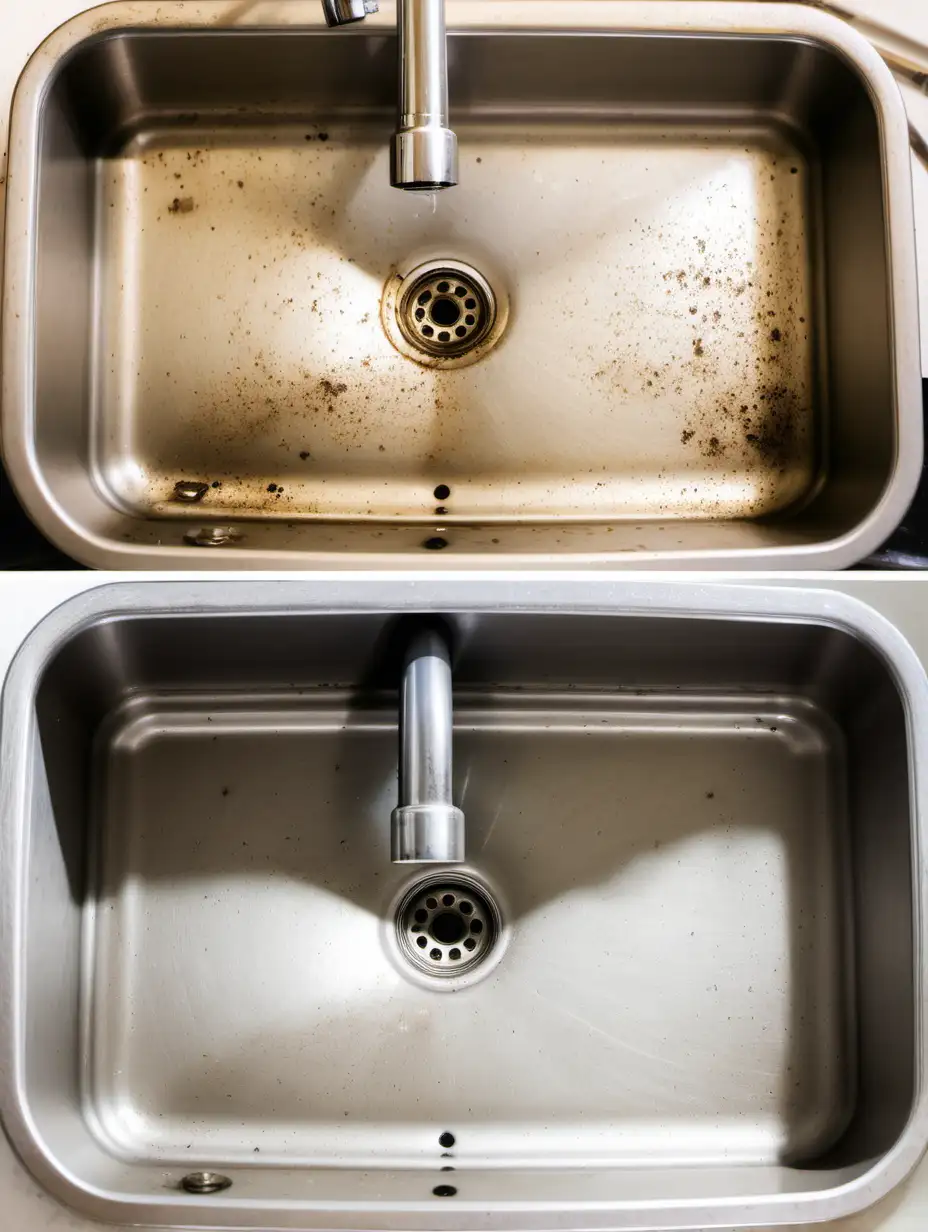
(447, 926)
(442, 314)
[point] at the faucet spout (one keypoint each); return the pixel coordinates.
(426, 827)
(424, 153)
(424, 150)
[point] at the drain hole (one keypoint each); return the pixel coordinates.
(446, 1139)
(444, 1191)
(442, 492)
(448, 942)
(447, 313)
(448, 928)
(444, 311)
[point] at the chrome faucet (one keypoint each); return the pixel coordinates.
(426, 826)
(424, 150)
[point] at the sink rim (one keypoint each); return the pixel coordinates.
(101, 549)
(112, 601)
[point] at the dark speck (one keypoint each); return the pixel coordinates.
(304, 454)
(272, 487)
(323, 136)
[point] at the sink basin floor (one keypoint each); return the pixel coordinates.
(672, 870)
(661, 288)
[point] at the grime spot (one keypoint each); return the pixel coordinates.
(332, 388)
(181, 205)
(773, 429)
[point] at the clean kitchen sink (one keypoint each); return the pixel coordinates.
(694, 846)
(681, 253)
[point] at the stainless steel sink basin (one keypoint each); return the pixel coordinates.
(697, 815)
(696, 237)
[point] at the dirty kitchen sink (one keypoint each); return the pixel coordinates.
(677, 277)
(694, 831)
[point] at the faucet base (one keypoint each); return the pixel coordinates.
(427, 834)
(424, 158)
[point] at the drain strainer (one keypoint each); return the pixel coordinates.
(442, 314)
(447, 925)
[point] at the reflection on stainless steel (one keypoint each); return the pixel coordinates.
(343, 12)
(424, 154)
(704, 239)
(701, 810)
(427, 828)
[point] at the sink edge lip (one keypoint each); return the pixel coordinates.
(616, 596)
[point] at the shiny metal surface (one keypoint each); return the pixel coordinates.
(205, 1182)
(424, 154)
(703, 807)
(630, 186)
(343, 12)
(427, 828)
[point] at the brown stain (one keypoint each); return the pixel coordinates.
(181, 205)
(332, 389)
(298, 408)
(772, 429)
